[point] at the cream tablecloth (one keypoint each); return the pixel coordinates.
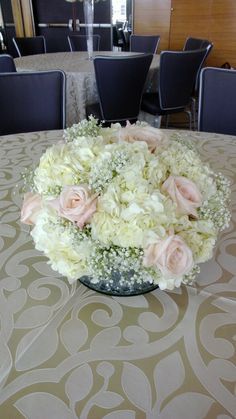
(68, 352)
(81, 86)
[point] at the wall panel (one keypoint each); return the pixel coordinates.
(189, 18)
(175, 20)
(211, 19)
(152, 17)
(223, 32)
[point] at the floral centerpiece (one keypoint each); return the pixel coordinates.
(125, 208)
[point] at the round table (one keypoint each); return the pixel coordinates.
(81, 86)
(68, 352)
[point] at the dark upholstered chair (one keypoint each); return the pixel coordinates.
(195, 43)
(217, 101)
(190, 45)
(7, 64)
(30, 45)
(32, 101)
(79, 42)
(144, 43)
(120, 84)
(177, 77)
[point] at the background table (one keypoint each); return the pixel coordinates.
(68, 352)
(81, 86)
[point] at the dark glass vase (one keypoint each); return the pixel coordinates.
(117, 286)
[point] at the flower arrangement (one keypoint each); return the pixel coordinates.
(125, 199)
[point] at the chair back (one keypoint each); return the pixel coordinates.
(195, 43)
(177, 77)
(144, 43)
(7, 64)
(79, 42)
(217, 101)
(30, 45)
(208, 50)
(120, 84)
(32, 101)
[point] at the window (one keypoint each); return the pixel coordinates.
(118, 11)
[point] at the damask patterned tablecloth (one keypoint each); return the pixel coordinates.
(68, 352)
(81, 86)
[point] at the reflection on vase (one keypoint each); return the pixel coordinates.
(118, 285)
(88, 18)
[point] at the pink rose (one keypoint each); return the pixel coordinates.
(171, 256)
(31, 207)
(76, 204)
(184, 193)
(154, 137)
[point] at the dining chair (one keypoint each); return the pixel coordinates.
(7, 64)
(32, 101)
(195, 43)
(144, 43)
(30, 45)
(79, 42)
(190, 45)
(217, 100)
(177, 77)
(120, 83)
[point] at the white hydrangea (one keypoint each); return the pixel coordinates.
(65, 255)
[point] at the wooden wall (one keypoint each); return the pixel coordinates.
(189, 18)
(175, 20)
(223, 32)
(153, 17)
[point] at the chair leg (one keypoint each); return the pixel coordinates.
(167, 120)
(189, 113)
(194, 112)
(157, 121)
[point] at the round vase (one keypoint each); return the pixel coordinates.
(117, 286)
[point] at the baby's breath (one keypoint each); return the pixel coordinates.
(28, 180)
(189, 278)
(103, 171)
(215, 208)
(76, 234)
(107, 262)
(54, 191)
(183, 141)
(223, 185)
(85, 128)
